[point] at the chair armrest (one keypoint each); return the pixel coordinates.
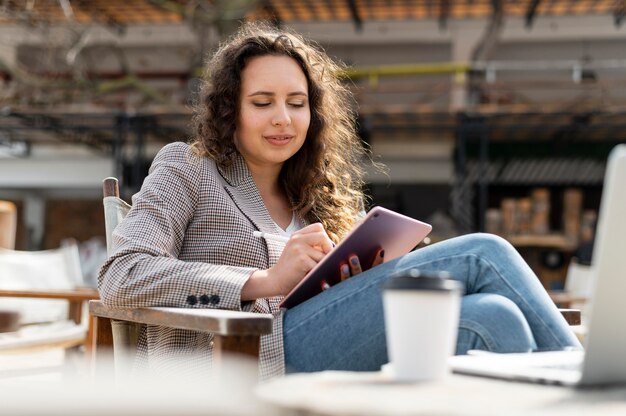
(81, 294)
(216, 321)
(75, 297)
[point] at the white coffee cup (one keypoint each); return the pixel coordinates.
(421, 324)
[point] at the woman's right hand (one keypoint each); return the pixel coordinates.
(302, 252)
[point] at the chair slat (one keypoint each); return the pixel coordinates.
(71, 295)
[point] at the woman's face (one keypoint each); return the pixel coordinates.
(274, 113)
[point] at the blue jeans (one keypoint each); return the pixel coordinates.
(505, 309)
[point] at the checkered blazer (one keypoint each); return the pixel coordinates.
(187, 242)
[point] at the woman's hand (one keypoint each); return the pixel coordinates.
(302, 252)
(353, 266)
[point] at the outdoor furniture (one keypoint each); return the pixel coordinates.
(44, 289)
(8, 224)
(118, 328)
(9, 321)
(340, 393)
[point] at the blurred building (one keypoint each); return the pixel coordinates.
(468, 102)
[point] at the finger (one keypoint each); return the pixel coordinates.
(319, 240)
(303, 253)
(305, 264)
(315, 254)
(344, 271)
(379, 259)
(317, 228)
(298, 251)
(355, 265)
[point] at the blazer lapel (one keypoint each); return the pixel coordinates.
(242, 189)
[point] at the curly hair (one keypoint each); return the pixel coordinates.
(324, 179)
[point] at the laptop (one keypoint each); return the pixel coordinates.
(604, 358)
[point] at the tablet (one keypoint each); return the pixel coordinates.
(382, 228)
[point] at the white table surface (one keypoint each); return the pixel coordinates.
(350, 393)
(51, 384)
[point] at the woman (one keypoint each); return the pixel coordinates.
(275, 150)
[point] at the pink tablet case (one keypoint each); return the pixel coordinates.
(397, 234)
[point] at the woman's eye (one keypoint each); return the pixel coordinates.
(261, 104)
(297, 104)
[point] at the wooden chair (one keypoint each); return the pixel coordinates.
(118, 328)
(8, 224)
(578, 286)
(577, 294)
(43, 290)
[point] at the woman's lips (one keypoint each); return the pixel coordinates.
(279, 139)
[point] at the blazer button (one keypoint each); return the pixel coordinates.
(204, 299)
(215, 299)
(192, 300)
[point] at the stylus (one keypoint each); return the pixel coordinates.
(267, 236)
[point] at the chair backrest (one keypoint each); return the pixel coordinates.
(125, 334)
(46, 270)
(8, 224)
(579, 284)
(115, 209)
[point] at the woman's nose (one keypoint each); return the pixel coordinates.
(281, 117)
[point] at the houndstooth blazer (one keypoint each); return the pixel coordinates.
(187, 242)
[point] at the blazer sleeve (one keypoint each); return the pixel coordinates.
(144, 269)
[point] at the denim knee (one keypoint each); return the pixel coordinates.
(494, 323)
(490, 244)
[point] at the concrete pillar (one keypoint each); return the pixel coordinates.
(465, 37)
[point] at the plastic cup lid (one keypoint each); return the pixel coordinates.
(413, 279)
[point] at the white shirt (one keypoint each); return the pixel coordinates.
(293, 226)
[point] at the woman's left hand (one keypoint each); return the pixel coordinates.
(353, 266)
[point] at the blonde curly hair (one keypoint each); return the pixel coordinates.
(324, 179)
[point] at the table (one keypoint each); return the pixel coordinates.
(44, 383)
(351, 393)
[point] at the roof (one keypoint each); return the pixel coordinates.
(122, 12)
(116, 12)
(368, 10)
